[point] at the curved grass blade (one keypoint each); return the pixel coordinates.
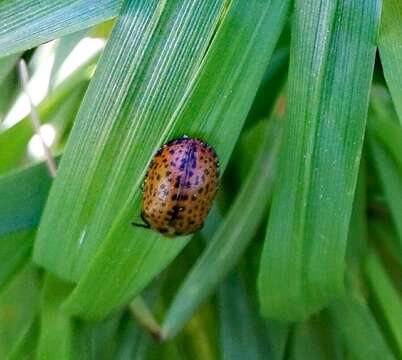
(15, 249)
(56, 328)
(383, 123)
(391, 179)
(387, 298)
(62, 50)
(331, 59)
(7, 64)
(230, 239)
(242, 335)
(390, 46)
(25, 346)
(19, 304)
(134, 256)
(358, 328)
(25, 24)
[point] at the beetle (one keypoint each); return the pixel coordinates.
(179, 187)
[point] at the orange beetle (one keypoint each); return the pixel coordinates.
(179, 187)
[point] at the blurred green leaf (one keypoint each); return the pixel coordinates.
(231, 238)
(390, 46)
(241, 330)
(59, 108)
(358, 328)
(56, 328)
(387, 298)
(7, 64)
(62, 49)
(132, 342)
(22, 197)
(25, 24)
(303, 258)
(383, 124)
(314, 340)
(19, 304)
(358, 231)
(391, 179)
(129, 254)
(25, 347)
(15, 250)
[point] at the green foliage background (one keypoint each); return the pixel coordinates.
(301, 254)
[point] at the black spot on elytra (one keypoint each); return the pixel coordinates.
(171, 151)
(178, 182)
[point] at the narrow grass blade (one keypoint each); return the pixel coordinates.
(358, 231)
(132, 342)
(241, 332)
(390, 46)
(331, 59)
(230, 239)
(386, 235)
(19, 304)
(387, 299)
(391, 179)
(25, 24)
(132, 255)
(25, 347)
(358, 328)
(7, 64)
(383, 123)
(313, 339)
(56, 328)
(15, 250)
(63, 48)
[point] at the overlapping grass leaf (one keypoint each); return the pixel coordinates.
(331, 59)
(25, 24)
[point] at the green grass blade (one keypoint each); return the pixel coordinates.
(25, 346)
(133, 255)
(19, 304)
(64, 47)
(79, 179)
(358, 329)
(25, 24)
(390, 46)
(387, 298)
(383, 123)
(231, 238)
(241, 332)
(313, 339)
(358, 231)
(7, 64)
(56, 330)
(391, 179)
(15, 249)
(331, 59)
(23, 195)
